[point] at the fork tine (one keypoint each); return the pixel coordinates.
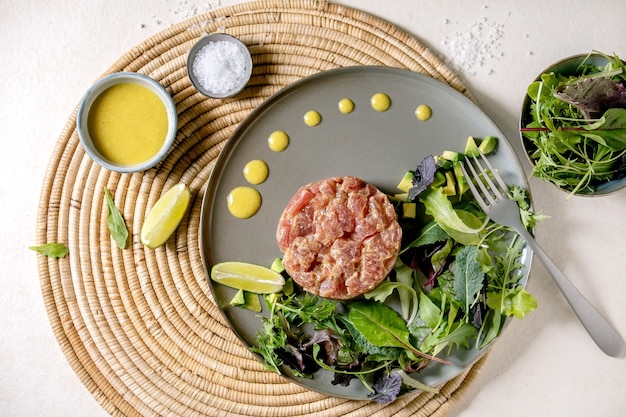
(483, 198)
(490, 188)
(494, 173)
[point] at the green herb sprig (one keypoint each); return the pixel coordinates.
(115, 222)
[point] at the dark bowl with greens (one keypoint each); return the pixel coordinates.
(573, 124)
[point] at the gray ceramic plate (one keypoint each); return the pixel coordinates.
(376, 146)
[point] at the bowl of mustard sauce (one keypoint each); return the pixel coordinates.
(127, 122)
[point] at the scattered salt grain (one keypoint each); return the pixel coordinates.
(220, 67)
(475, 47)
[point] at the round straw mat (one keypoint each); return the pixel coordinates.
(139, 326)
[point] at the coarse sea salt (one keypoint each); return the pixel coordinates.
(475, 47)
(220, 67)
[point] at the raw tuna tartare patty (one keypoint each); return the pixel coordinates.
(340, 237)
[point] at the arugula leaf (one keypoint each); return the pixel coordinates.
(528, 216)
(468, 276)
(115, 222)
(308, 308)
(457, 335)
(52, 250)
(271, 338)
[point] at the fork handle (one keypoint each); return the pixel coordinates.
(605, 336)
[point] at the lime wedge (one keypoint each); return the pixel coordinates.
(247, 277)
(165, 216)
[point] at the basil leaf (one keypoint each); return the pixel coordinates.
(52, 250)
(115, 222)
(468, 276)
(423, 176)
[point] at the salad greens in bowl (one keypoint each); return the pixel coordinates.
(573, 124)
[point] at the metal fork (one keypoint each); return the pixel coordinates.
(491, 193)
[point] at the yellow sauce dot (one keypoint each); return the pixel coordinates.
(256, 171)
(312, 118)
(346, 106)
(243, 202)
(278, 141)
(423, 112)
(380, 102)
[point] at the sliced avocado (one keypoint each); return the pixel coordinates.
(461, 180)
(439, 179)
(401, 197)
(288, 287)
(441, 162)
(488, 144)
(451, 156)
(407, 182)
(450, 187)
(409, 210)
(471, 149)
(239, 299)
(253, 302)
(277, 266)
(247, 300)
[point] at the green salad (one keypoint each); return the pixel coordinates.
(455, 283)
(574, 128)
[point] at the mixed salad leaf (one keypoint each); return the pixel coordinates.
(576, 126)
(454, 285)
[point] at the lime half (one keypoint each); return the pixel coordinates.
(247, 277)
(165, 216)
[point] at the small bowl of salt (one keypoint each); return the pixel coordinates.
(219, 65)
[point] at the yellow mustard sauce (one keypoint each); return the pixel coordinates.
(256, 171)
(380, 102)
(312, 118)
(243, 202)
(423, 112)
(346, 106)
(127, 123)
(278, 141)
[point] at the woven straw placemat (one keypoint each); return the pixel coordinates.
(139, 327)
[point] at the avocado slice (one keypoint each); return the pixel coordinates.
(409, 210)
(461, 180)
(407, 182)
(488, 144)
(450, 187)
(451, 156)
(247, 300)
(471, 148)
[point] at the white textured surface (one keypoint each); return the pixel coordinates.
(545, 365)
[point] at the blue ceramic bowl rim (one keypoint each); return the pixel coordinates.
(113, 79)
